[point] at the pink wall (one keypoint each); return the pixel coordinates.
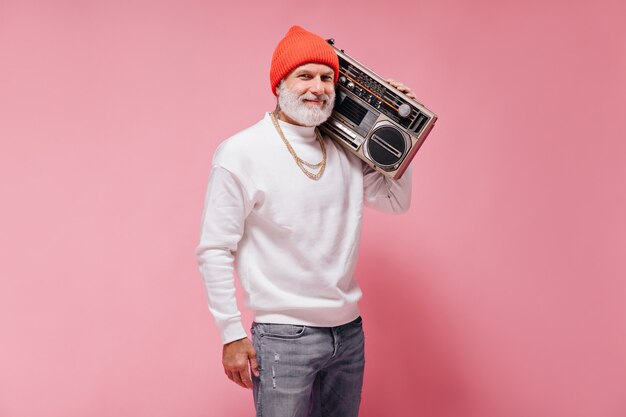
(500, 294)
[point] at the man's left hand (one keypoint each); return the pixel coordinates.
(397, 84)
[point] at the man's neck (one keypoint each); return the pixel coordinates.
(283, 117)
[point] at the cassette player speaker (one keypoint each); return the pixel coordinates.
(375, 121)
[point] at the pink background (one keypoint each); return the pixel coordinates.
(502, 293)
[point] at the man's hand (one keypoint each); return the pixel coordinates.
(406, 90)
(236, 356)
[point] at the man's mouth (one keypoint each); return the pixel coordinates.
(314, 102)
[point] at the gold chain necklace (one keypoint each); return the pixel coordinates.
(299, 161)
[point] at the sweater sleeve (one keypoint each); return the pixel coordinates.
(385, 194)
(225, 210)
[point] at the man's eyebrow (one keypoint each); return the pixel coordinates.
(303, 71)
(309, 71)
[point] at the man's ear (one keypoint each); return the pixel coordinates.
(277, 90)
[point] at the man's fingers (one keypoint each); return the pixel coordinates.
(403, 88)
(237, 379)
(394, 83)
(254, 366)
(245, 379)
(406, 90)
(239, 376)
(238, 357)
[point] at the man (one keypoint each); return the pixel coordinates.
(286, 205)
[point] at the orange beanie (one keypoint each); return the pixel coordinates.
(300, 47)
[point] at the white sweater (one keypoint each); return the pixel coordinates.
(294, 240)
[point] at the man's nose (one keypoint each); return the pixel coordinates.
(317, 86)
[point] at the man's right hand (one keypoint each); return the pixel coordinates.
(236, 357)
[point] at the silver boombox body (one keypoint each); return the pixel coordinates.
(374, 120)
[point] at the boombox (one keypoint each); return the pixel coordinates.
(374, 120)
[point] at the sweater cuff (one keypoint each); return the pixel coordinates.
(233, 331)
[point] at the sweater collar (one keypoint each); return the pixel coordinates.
(294, 132)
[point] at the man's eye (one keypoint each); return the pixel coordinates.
(304, 76)
(328, 78)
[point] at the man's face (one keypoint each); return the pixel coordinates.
(306, 96)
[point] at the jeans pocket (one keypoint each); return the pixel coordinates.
(280, 331)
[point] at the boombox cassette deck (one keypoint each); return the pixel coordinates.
(374, 120)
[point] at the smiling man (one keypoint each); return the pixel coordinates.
(284, 204)
(306, 96)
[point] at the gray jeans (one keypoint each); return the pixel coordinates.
(308, 371)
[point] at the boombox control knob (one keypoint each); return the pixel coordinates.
(404, 110)
(342, 80)
(350, 85)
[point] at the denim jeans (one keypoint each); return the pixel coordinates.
(308, 371)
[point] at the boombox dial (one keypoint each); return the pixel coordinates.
(405, 110)
(345, 81)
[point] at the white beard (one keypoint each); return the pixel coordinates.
(294, 107)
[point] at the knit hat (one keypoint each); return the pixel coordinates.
(300, 47)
